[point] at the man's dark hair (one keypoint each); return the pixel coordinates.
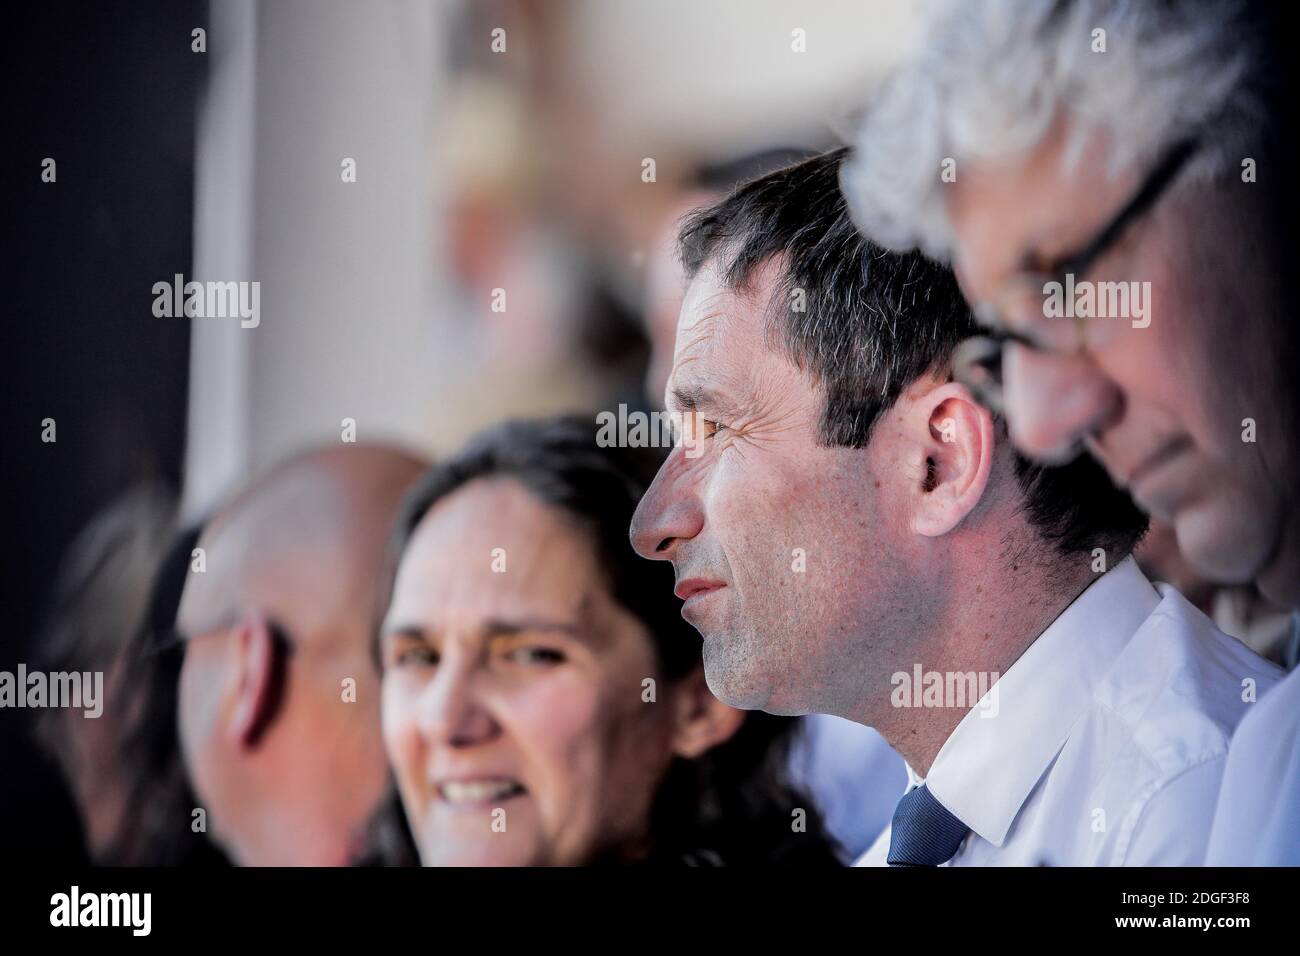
(734, 803)
(865, 322)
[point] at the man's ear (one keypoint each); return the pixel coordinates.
(701, 721)
(958, 442)
(259, 680)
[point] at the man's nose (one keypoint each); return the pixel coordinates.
(450, 711)
(1053, 401)
(667, 515)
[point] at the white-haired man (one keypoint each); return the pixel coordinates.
(1107, 178)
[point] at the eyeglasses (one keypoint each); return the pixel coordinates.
(1017, 315)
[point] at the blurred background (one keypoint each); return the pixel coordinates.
(544, 149)
(504, 249)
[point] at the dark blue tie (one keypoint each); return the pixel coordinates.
(923, 832)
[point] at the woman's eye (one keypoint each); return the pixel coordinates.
(417, 657)
(542, 656)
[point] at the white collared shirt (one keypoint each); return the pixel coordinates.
(1257, 822)
(1108, 740)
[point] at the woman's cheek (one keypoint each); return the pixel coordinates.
(559, 706)
(397, 717)
(552, 719)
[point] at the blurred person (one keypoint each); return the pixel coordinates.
(852, 774)
(853, 528)
(1140, 147)
(1258, 820)
(664, 284)
(545, 311)
(665, 287)
(543, 701)
(278, 697)
(159, 827)
(99, 601)
(1129, 165)
(1236, 609)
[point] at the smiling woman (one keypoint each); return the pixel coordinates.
(543, 701)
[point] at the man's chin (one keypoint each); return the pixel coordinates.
(1226, 541)
(735, 680)
(1279, 580)
(733, 693)
(729, 680)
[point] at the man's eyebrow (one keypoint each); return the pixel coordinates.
(693, 396)
(689, 397)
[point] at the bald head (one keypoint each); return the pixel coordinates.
(278, 708)
(304, 544)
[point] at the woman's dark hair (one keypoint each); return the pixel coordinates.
(734, 804)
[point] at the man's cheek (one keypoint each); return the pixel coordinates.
(726, 496)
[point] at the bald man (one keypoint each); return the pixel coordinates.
(279, 699)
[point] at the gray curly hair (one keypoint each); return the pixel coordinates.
(991, 76)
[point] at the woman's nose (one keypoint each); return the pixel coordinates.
(451, 713)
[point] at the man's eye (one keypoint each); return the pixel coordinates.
(538, 656)
(416, 656)
(712, 428)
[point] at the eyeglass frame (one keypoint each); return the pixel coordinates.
(986, 351)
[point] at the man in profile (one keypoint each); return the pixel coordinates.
(279, 698)
(850, 516)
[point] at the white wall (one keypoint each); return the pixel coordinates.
(346, 269)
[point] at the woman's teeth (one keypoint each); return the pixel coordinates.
(477, 791)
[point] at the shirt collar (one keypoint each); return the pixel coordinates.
(992, 760)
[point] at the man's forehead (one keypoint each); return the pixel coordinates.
(709, 294)
(718, 332)
(706, 306)
(1071, 175)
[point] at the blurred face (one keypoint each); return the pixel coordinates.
(665, 287)
(90, 759)
(788, 553)
(299, 791)
(1163, 407)
(288, 770)
(512, 689)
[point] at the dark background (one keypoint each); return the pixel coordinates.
(110, 92)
